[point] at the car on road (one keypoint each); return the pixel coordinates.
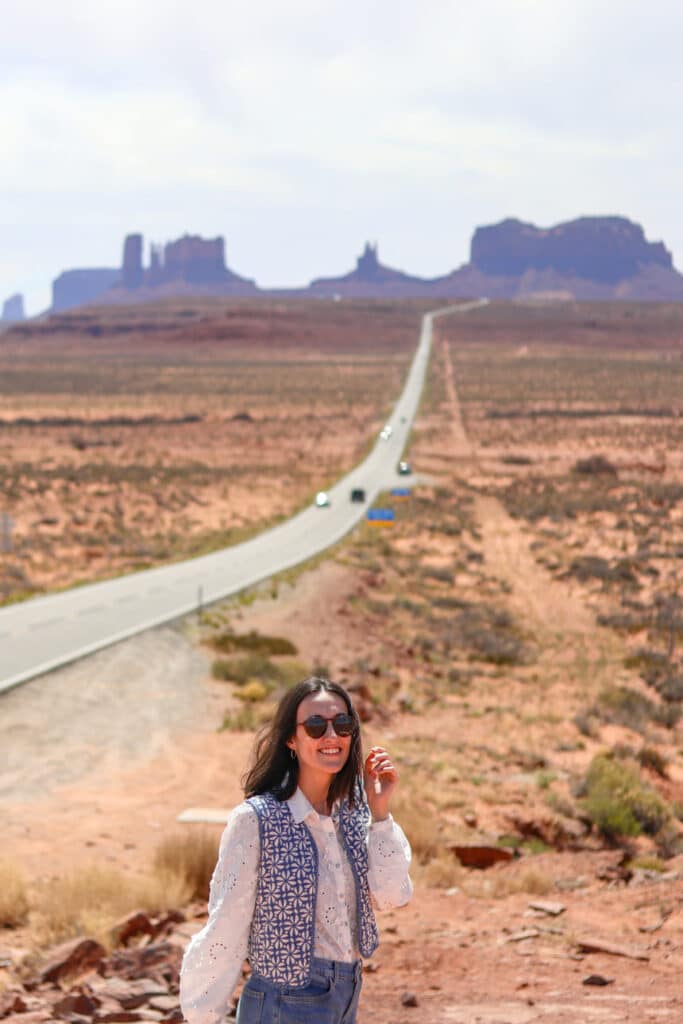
(322, 499)
(358, 494)
(404, 468)
(386, 431)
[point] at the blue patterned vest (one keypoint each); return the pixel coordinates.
(281, 940)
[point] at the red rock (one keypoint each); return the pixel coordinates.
(481, 856)
(82, 1003)
(129, 927)
(12, 1002)
(596, 945)
(71, 958)
(409, 999)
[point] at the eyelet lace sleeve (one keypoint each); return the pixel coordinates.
(213, 959)
(389, 858)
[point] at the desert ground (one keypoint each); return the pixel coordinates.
(514, 639)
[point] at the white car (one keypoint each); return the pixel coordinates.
(322, 499)
(386, 431)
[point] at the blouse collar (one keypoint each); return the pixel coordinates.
(301, 808)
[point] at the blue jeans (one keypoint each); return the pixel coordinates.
(330, 997)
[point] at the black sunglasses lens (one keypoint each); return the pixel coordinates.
(343, 725)
(315, 726)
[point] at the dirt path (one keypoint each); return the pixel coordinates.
(460, 443)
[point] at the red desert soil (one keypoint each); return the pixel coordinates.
(105, 754)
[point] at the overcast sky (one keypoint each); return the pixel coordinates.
(297, 129)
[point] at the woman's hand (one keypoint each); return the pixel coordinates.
(381, 779)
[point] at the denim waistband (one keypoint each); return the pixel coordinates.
(335, 968)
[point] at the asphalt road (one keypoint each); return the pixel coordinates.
(41, 634)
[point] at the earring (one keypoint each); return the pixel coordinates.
(292, 754)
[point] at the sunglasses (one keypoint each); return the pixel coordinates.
(316, 725)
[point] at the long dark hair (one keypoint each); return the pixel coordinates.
(275, 771)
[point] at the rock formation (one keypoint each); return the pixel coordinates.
(190, 265)
(13, 309)
(586, 259)
(370, 278)
(78, 287)
(604, 250)
(131, 269)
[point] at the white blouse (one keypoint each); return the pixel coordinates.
(213, 960)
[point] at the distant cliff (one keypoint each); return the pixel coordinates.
(586, 259)
(78, 287)
(189, 265)
(605, 250)
(370, 278)
(13, 309)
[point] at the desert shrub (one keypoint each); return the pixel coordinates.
(190, 856)
(667, 680)
(14, 903)
(594, 464)
(252, 691)
(248, 717)
(266, 645)
(440, 573)
(516, 460)
(243, 670)
(408, 605)
(447, 601)
(647, 863)
(618, 802)
(669, 840)
(650, 757)
(587, 567)
(623, 706)
(587, 722)
(490, 634)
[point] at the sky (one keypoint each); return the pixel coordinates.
(299, 129)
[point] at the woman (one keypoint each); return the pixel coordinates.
(301, 864)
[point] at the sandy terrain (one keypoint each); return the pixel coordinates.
(129, 738)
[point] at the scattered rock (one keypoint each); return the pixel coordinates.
(527, 933)
(82, 1002)
(409, 999)
(12, 1002)
(481, 856)
(548, 907)
(72, 958)
(596, 979)
(592, 945)
(130, 927)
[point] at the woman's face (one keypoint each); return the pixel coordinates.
(327, 755)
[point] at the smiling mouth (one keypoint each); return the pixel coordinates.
(331, 751)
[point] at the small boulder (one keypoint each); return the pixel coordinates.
(481, 856)
(77, 956)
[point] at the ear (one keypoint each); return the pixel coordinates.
(290, 743)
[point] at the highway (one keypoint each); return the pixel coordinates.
(43, 633)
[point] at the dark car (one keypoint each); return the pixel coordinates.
(404, 468)
(357, 494)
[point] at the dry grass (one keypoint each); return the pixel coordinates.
(14, 904)
(190, 856)
(503, 881)
(91, 900)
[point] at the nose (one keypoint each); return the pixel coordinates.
(329, 728)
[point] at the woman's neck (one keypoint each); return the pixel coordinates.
(316, 792)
